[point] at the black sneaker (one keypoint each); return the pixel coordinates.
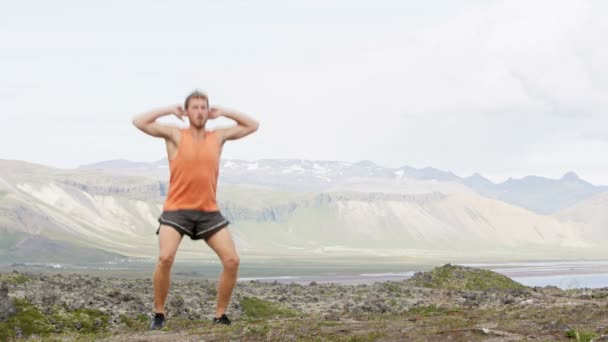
(222, 320)
(158, 322)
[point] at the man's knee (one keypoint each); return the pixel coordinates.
(166, 260)
(232, 262)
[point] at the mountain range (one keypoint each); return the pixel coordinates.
(280, 207)
(538, 194)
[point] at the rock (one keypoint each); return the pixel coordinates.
(508, 300)
(97, 322)
(113, 293)
(484, 331)
(491, 332)
(177, 301)
(332, 316)
(490, 325)
(18, 332)
(126, 297)
(527, 302)
(470, 296)
(76, 304)
(3, 291)
(7, 307)
(557, 326)
(49, 298)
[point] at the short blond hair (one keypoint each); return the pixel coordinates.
(196, 95)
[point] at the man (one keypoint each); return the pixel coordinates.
(191, 208)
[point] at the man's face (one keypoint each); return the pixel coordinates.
(198, 112)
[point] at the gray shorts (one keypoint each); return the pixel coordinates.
(194, 223)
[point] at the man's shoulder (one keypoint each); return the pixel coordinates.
(174, 133)
(217, 132)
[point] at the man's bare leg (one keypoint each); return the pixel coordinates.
(223, 245)
(168, 240)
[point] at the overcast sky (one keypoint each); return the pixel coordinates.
(504, 88)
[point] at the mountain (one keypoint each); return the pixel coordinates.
(20, 247)
(367, 212)
(84, 208)
(463, 224)
(538, 194)
(591, 214)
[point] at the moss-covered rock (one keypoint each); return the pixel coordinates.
(29, 320)
(81, 320)
(455, 277)
(14, 278)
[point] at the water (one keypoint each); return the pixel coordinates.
(563, 281)
(566, 282)
(565, 275)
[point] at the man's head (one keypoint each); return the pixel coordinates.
(197, 108)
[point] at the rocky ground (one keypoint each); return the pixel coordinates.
(448, 303)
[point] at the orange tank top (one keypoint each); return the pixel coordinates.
(194, 171)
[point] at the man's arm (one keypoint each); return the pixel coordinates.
(244, 124)
(146, 122)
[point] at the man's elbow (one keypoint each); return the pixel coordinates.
(137, 122)
(255, 126)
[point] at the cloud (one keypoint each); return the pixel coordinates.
(483, 86)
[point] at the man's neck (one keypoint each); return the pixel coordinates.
(198, 133)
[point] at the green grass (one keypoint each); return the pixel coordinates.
(328, 324)
(255, 308)
(581, 336)
(184, 323)
(258, 330)
(425, 310)
(369, 337)
(136, 324)
(455, 277)
(392, 287)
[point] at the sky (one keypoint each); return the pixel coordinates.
(502, 88)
